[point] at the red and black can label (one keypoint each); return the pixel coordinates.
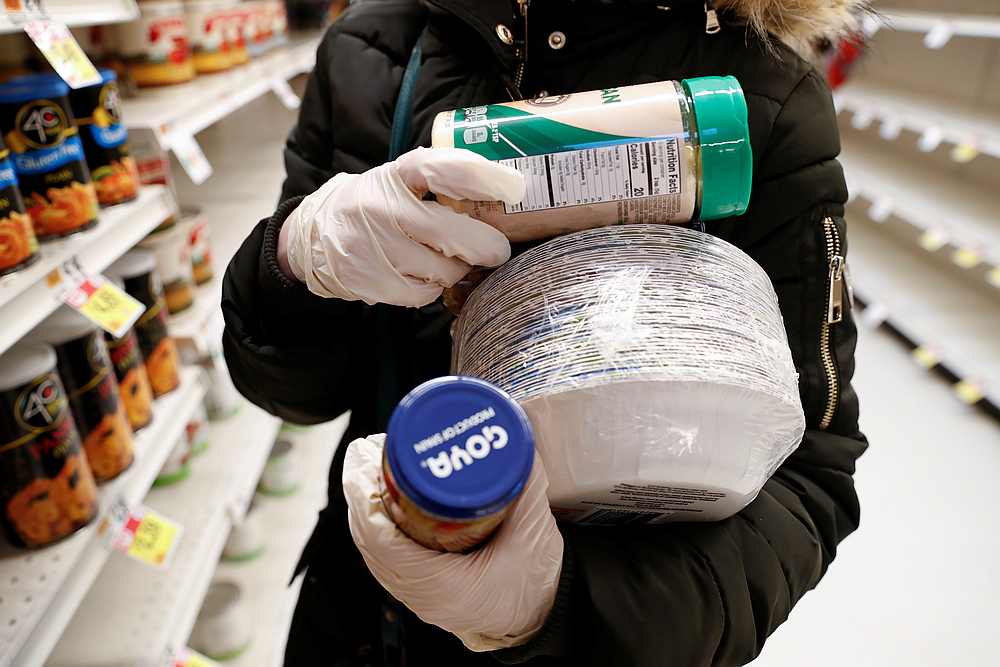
(133, 383)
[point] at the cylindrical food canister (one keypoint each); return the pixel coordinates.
(199, 245)
(137, 271)
(206, 25)
(257, 30)
(98, 114)
(457, 454)
(155, 46)
(18, 246)
(233, 28)
(47, 153)
(197, 431)
(89, 379)
(278, 18)
(667, 152)
(173, 265)
(133, 383)
(46, 489)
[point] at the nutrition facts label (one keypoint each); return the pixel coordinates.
(595, 175)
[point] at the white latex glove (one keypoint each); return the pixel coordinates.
(495, 597)
(370, 236)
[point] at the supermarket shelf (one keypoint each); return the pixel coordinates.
(952, 327)
(133, 614)
(942, 213)
(934, 117)
(41, 590)
(943, 24)
(177, 113)
(196, 323)
(264, 581)
(72, 13)
(26, 298)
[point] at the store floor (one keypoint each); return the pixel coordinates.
(918, 583)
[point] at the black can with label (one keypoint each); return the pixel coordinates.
(97, 110)
(39, 129)
(133, 383)
(90, 382)
(18, 246)
(136, 270)
(46, 488)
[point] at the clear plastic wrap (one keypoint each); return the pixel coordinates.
(653, 364)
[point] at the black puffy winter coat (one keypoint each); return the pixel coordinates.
(677, 595)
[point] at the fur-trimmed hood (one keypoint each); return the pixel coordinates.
(801, 24)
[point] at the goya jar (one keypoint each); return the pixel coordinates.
(45, 147)
(206, 26)
(97, 110)
(92, 387)
(666, 152)
(173, 265)
(199, 245)
(18, 246)
(133, 383)
(457, 455)
(155, 46)
(136, 270)
(46, 489)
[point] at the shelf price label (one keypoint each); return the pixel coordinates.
(60, 48)
(187, 658)
(191, 157)
(140, 533)
(96, 298)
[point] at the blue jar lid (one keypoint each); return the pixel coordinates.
(33, 87)
(107, 75)
(459, 448)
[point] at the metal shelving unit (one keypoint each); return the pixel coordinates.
(41, 590)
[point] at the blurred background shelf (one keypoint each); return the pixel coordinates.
(26, 297)
(40, 591)
(71, 12)
(134, 613)
(960, 24)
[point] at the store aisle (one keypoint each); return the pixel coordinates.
(917, 584)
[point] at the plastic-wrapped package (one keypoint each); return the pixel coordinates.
(653, 364)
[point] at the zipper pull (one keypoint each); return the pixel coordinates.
(711, 20)
(835, 299)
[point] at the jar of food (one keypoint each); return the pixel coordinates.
(133, 382)
(197, 431)
(38, 128)
(206, 26)
(457, 454)
(89, 379)
(257, 28)
(173, 265)
(97, 110)
(667, 152)
(155, 46)
(18, 246)
(137, 271)
(199, 245)
(277, 18)
(233, 27)
(46, 489)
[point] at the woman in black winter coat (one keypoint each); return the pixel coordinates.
(676, 595)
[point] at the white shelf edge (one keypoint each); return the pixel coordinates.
(153, 444)
(205, 505)
(93, 12)
(26, 298)
(964, 25)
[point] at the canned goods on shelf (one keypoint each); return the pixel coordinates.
(156, 47)
(133, 382)
(18, 245)
(199, 245)
(136, 270)
(46, 488)
(458, 453)
(89, 379)
(206, 26)
(173, 265)
(97, 110)
(38, 128)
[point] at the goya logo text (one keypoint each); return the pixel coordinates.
(476, 448)
(42, 123)
(41, 404)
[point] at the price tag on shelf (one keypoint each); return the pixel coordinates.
(96, 298)
(286, 94)
(22, 11)
(140, 533)
(933, 240)
(966, 258)
(192, 158)
(59, 47)
(964, 152)
(187, 658)
(968, 392)
(925, 356)
(994, 277)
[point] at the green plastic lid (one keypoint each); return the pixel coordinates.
(724, 135)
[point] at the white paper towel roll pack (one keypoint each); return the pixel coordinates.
(654, 366)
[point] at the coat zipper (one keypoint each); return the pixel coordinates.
(711, 18)
(834, 314)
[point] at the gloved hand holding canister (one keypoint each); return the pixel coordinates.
(458, 471)
(371, 236)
